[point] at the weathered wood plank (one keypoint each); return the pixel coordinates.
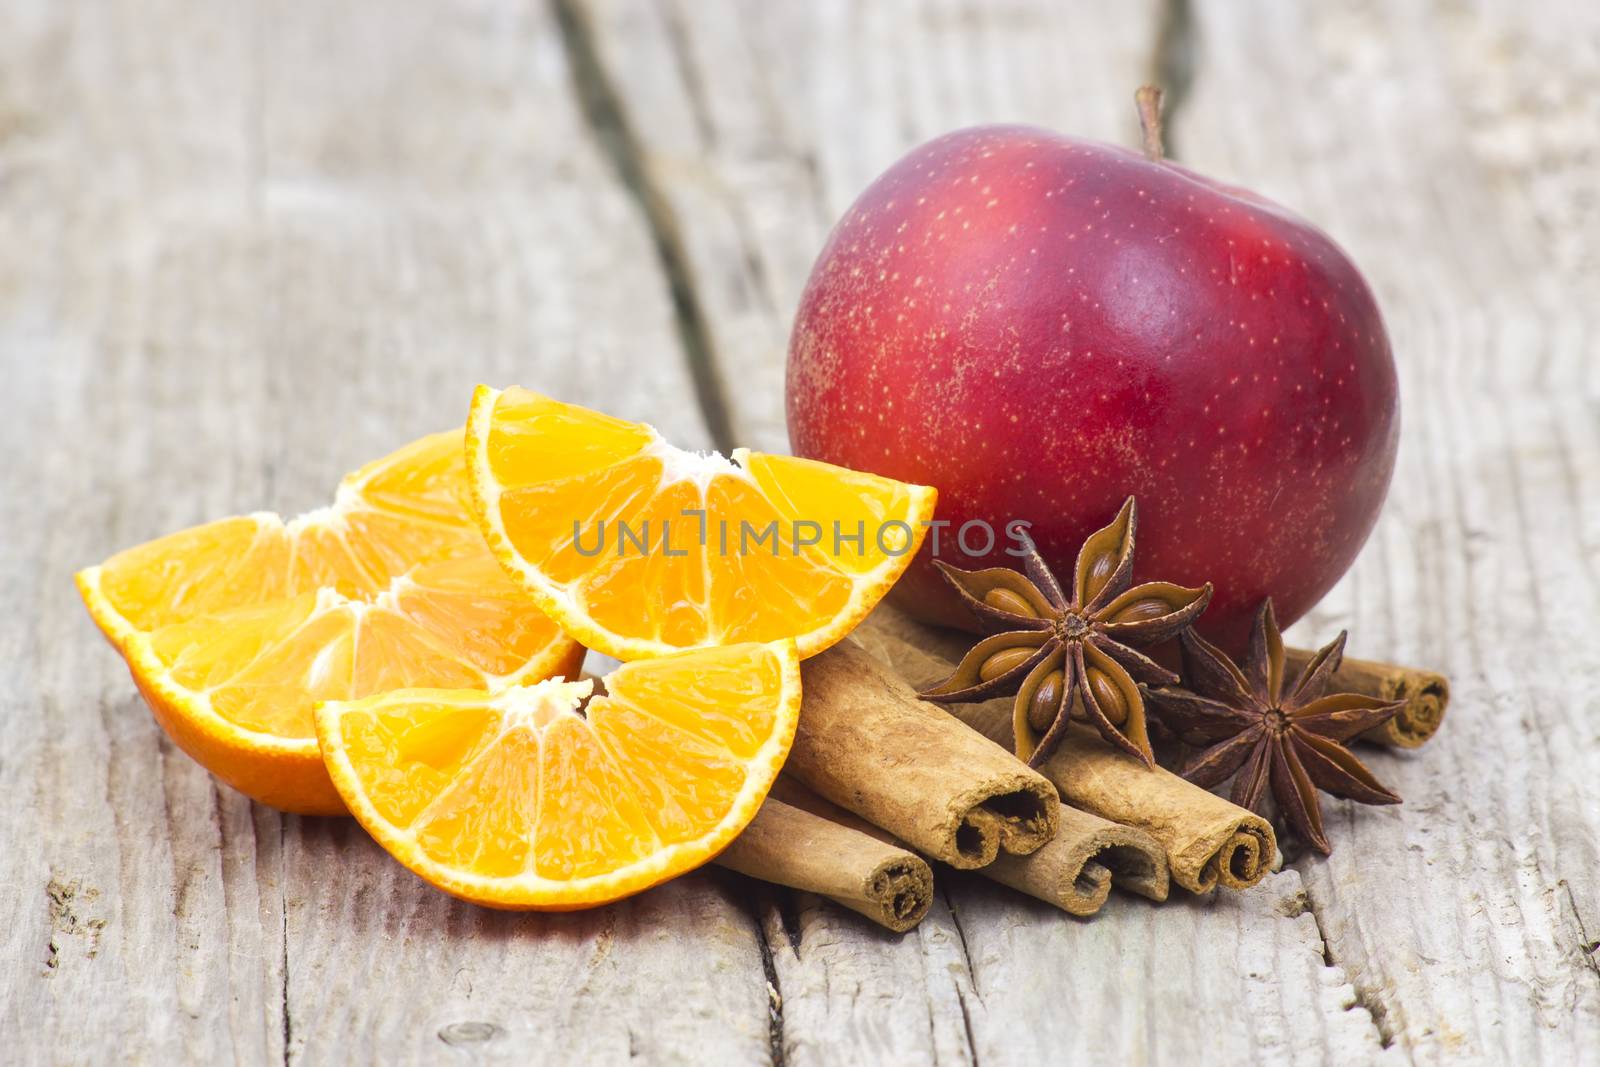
(760, 122)
(243, 248)
(226, 228)
(1451, 148)
(1448, 149)
(758, 125)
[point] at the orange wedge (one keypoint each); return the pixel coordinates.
(408, 507)
(638, 548)
(545, 797)
(235, 629)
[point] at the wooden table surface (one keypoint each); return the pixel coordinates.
(245, 246)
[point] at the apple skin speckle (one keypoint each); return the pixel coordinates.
(1060, 323)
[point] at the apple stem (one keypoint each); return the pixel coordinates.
(1148, 100)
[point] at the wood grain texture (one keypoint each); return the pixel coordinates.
(1452, 148)
(758, 124)
(246, 246)
(1461, 196)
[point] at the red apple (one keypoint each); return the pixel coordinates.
(1040, 326)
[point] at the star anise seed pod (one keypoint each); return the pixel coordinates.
(1248, 720)
(1070, 658)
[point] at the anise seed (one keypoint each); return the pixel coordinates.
(1009, 600)
(1148, 608)
(1109, 697)
(1100, 569)
(1042, 708)
(1007, 659)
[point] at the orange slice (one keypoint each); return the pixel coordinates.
(408, 507)
(543, 797)
(638, 548)
(235, 629)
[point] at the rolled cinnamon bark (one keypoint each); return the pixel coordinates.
(796, 848)
(1208, 841)
(867, 743)
(795, 793)
(1076, 869)
(1426, 695)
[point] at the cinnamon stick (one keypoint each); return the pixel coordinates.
(1426, 695)
(867, 743)
(795, 793)
(796, 848)
(1076, 869)
(1208, 840)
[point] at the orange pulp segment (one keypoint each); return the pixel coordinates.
(233, 630)
(547, 797)
(408, 507)
(638, 548)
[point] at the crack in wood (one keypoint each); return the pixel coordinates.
(966, 1025)
(933, 1031)
(972, 978)
(774, 988)
(961, 935)
(1588, 947)
(788, 909)
(1365, 998)
(283, 917)
(605, 114)
(1172, 65)
(288, 1025)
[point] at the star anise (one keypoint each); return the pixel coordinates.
(1251, 721)
(1070, 658)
